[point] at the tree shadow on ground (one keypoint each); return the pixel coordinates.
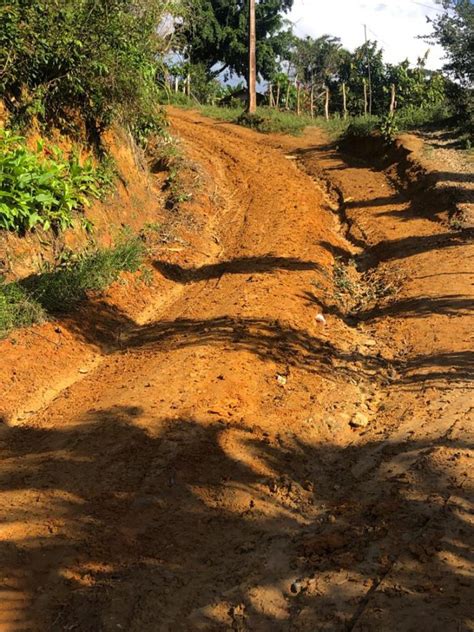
(404, 247)
(269, 340)
(137, 523)
(112, 331)
(245, 265)
(421, 307)
(454, 367)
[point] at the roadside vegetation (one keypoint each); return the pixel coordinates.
(307, 81)
(59, 289)
(70, 71)
(76, 68)
(42, 187)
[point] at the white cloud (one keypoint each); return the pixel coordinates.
(394, 24)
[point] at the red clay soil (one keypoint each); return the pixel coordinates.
(226, 461)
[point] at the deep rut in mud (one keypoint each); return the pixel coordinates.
(234, 464)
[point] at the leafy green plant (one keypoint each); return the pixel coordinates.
(389, 128)
(81, 64)
(42, 187)
(146, 125)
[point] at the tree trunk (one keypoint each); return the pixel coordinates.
(393, 102)
(326, 104)
(344, 101)
(298, 100)
(365, 97)
(252, 78)
(176, 84)
(278, 96)
(312, 100)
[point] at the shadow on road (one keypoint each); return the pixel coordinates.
(245, 265)
(126, 528)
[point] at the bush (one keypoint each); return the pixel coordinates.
(362, 125)
(80, 61)
(416, 117)
(36, 190)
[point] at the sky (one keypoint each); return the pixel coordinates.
(394, 24)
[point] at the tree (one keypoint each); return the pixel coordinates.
(215, 33)
(317, 60)
(368, 53)
(454, 31)
(416, 87)
(98, 60)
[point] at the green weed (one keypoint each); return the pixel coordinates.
(356, 291)
(57, 290)
(42, 187)
(17, 308)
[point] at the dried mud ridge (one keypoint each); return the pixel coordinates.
(230, 463)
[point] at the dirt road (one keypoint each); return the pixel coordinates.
(234, 464)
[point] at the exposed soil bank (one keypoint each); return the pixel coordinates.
(234, 464)
(441, 184)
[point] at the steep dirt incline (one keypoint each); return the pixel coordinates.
(235, 464)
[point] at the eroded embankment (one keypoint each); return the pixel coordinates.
(424, 428)
(233, 463)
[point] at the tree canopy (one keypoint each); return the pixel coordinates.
(454, 31)
(214, 33)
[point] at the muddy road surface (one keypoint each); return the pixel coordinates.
(237, 463)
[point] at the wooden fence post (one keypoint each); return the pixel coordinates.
(326, 104)
(393, 102)
(344, 100)
(252, 51)
(270, 95)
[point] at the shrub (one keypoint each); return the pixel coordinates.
(80, 60)
(363, 125)
(415, 117)
(36, 190)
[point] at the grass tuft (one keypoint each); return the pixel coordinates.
(17, 308)
(28, 302)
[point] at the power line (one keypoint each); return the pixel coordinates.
(427, 6)
(379, 39)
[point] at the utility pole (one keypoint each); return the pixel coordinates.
(369, 69)
(252, 78)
